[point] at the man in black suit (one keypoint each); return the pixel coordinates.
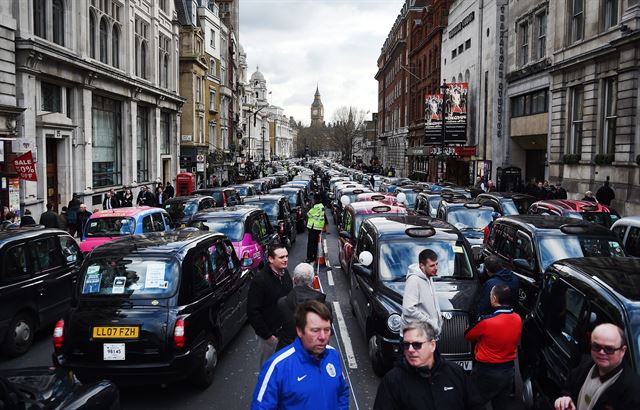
(110, 200)
(50, 218)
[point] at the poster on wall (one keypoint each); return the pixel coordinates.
(456, 97)
(433, 118)
(25, 167)
(14, 195)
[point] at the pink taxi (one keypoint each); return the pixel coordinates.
(387, 198)
(352, 217)
(104, 226)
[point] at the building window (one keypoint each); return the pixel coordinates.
(57, 7)
(163, 6)
(51, 96)
(165, 139)
(576, 115)
(106, 142)
(198, 85)
(115, 46)
(39, 18)
(541, 31)
(529, 104)
(212, 100)
(213, 142)
(141, 39)
(523, 42)
(454, 53)
(163, 60)
(609, 116)
(610, 13)
(577, 20)
(460, 49)
(92, 35)
(212, 67)
(142, 144)
(201, 130)
(467, 44)
(103, 40)
(212, 40)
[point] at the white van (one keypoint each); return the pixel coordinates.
(628, 229)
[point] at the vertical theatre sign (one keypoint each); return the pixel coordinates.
(25, 167)
(454, 102)
(433, 118)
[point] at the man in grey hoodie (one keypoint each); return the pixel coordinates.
(419, 301)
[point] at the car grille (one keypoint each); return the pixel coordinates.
(452, 335)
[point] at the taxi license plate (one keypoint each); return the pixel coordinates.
(465, 364)
(113, 351)
(115, 332)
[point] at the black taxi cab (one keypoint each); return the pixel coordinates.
(282, 219)
(576, 295)
(471, 218)
(529, 244)
(154, 308)
(38, 269)
(386, 247)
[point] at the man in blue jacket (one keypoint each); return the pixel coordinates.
(498, 275)
(307, 374)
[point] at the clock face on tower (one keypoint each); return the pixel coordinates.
(315, 112)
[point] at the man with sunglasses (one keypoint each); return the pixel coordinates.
(423, 380)
(606, 381)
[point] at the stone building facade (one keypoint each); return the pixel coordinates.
(594, 99)
(99, 80)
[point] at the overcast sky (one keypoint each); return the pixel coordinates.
(334, 43)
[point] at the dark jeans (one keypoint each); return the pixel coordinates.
(493, 383)
(312, 244)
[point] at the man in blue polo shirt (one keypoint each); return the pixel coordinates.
(307, 374)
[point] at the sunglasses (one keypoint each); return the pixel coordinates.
(415, 345)
(595, 347)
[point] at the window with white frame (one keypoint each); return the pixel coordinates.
(197, 87)
(212, 67)
(212, 39)
(164, 44)
(576, 113)
(213, 140)
(201, 129)
(141, 47)
(523, 42)
(541, 34)
(105, 32)
(212, 100)
(609, 115)
(610, 13)
(577, 20)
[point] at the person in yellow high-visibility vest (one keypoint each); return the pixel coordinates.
(316, 220)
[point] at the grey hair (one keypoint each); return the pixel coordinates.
(422, 327)
(303, 275)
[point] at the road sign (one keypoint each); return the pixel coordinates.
(200, 158)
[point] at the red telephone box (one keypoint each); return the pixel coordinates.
(184, 183)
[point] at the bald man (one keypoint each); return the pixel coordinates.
(606, 381)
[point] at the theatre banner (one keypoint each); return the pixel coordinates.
(454, 103)
(433, 118)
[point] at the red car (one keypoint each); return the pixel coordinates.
(585, 210)
(352, 217)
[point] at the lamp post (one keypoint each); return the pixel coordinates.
(443, 89)
(263, 130)
(254, 113)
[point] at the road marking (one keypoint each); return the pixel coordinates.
(344, 335)
(330, 278)
(324, 246)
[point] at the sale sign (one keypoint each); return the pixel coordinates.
(25, 167)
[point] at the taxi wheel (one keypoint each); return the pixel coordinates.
(374, 355)
(203, 376)
(19, 335)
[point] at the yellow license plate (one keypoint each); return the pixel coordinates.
(116, 332)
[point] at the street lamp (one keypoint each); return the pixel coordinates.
(263, 130)
(254, 113)
(443, 89)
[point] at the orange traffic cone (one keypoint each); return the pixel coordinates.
(316, 282)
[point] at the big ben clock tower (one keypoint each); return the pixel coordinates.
(317, 110)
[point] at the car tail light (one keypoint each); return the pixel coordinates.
(487, 231)
(58, 334)
(178, 334)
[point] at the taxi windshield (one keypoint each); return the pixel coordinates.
(242, 190)
(554, 248)
(396, 256)
(232, 228)
(132, 277)
(270, 207)
(110, 226)
(465, 218)
(411, 198)
(509, 207)
(361, 217)
(292, 197)
(434, 203)
(180, 209)
(601, 218)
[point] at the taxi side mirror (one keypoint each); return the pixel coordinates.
(361, 270)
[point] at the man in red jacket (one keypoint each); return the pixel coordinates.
(496, 337)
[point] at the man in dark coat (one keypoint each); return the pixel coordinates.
(27, 219)
(497, 275)
(424, 380)
(561, 193)
(605, 194)
(110, 200)
(50, 218)
(606, 382)
(269, 285)
(83, 217)
(169, 190)
(302, 291)
(72, 214)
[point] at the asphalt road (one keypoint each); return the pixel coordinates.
(237, 369)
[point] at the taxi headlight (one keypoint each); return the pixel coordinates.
(394, 323)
